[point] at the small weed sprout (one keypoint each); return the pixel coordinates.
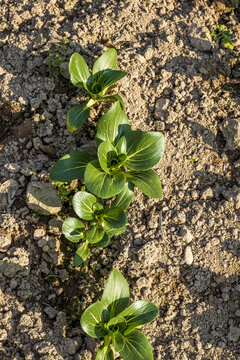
(222, 35)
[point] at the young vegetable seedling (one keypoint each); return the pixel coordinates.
(113, 321)
(104, 74)
(222, 35)
(125, 159)
(103, 224)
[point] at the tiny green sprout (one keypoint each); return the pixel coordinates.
(53, 62)
(103, 224)
(193, 160)
(116, 323)
(63, 190)
(96, 83)
(222, 35)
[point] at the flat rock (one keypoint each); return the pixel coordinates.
(231, 132)
(197, 38)
(43, 198)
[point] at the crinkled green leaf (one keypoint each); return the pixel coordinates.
(124, 198)
(133, 346)
(106, 154)
(81, 255)
(78, 70)
(139, 313)
(117, 323)
(114, 218)
(148, 182)
(102, 184)
(116, 293)
(77, 116)
(93, 318)
(104, 353)
(108, 60)
(73, 229)
(112, 125)
(83, 204)
(71, 166)
(144, 149)
(94, 234)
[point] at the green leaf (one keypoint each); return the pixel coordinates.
(144, 149)
(95, 234)
(112, 125)
(114, 218)
(76, 116)
(117, 323)
(106, 153)
(148, 182)
(133, 346)
(104, 353)
(139, 313)
(108, 60)
(124, 198)
(81, 255)
(93, 318)
(73, 229)
(103, 242)
(71, 166)
(121, 146)
(78, 70)
(114, 97)
(106, 78)
(100, 183)
(118, 231)
(83, 204)
(116, 293)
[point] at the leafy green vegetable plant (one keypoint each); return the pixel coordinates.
(112, 320)
(124, 156)
(104, 74)
(222, 35)
(103, 224)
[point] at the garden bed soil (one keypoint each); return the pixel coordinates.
(181, 252)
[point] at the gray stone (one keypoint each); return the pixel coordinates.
(234, 334)
(231, 132)
(70, 346)
(188, 256)
(5, 242)
(161, 107)
(51, 312)
(7, 192)
(197, 37)
(43, 198)
(200, 44)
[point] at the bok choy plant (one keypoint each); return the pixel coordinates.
(116, 323)
(104, 74)
(103, 224)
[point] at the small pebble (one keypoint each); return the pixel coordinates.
(188, 256)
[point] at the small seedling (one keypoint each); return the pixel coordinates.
(63, 190)
(193, 160)
(222, 35)
(104, 74)
(113, 321)
(103, 224)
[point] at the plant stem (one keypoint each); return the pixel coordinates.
(90, 103)
(107, 341)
